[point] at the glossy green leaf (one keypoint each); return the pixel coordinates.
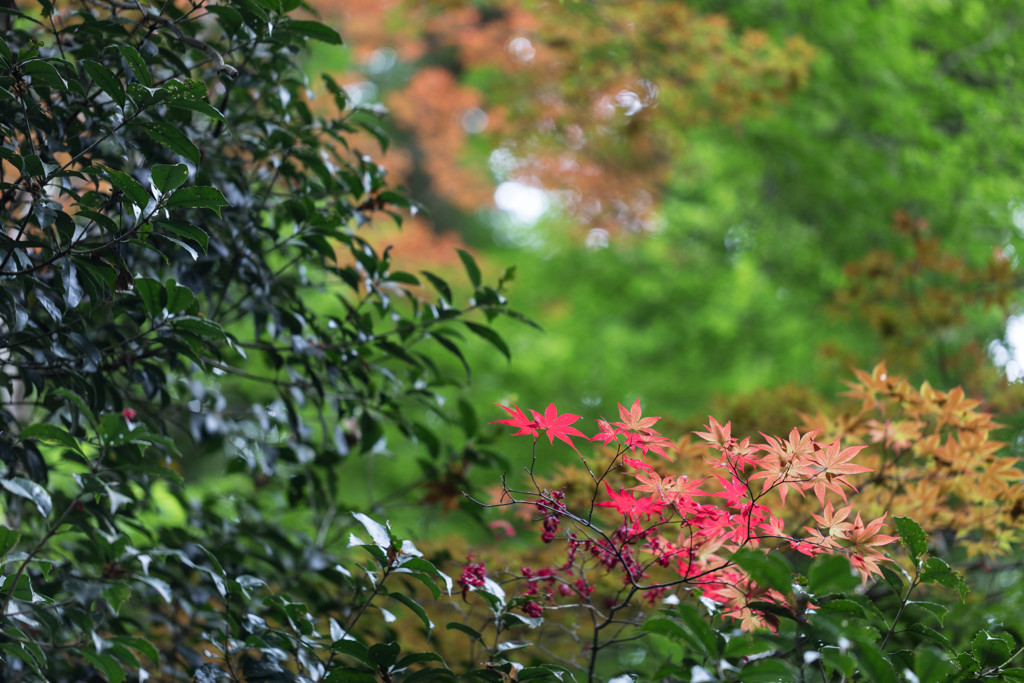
(26, 488)
(106, 80)
(168, 177)
(45, 74)
(198, 326)
(136, 63)
(314, 30)
(51, 433)
(352, 648)
(418, 658)
(187, 231)
(935, 570)
(913, 537)
(178, 298)
(172, 138)
(131, 188)
(991, 650)
(197, 198)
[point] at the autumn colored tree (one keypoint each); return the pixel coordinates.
(584, 100)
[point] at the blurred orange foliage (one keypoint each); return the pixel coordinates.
(584, 100)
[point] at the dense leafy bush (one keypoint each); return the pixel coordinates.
(182, 289)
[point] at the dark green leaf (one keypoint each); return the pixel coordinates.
(188, 248)
(404, 278)
(51, 433)
(418, 658)
(43, 73)
(711, 641)
(991, 650)
(8, 539)
(933, 608)
(491, 336)
(450, 346)
(152, 294)
(131, 188)
(136, 63)
(199, 326)
(892, 579)
(440, 285)
(931, 634)
(314, 30)
(171, 137)
(27, 488)
(429, 675)
(746, 645)
(470, 265)
(874, 665)
(103, 661)
(168, 177)
(188, 231)
(935, 570)
(178, 298)
(106, 80)
(197, 198)
(11, 157)
(197, 106)
(352, 648)
(384, 655)
(913, 537)
(347, 675)
(768, 671)
(672, 630)
(933, 667)
(456, 626)
(414, 606)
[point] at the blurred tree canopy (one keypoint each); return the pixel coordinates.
(767, 193)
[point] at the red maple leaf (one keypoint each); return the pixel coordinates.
(518, 419)
(606, 433)
(733, 489)
(557, 426)
(627, 505)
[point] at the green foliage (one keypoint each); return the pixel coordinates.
(186, 298)
(833, 632)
